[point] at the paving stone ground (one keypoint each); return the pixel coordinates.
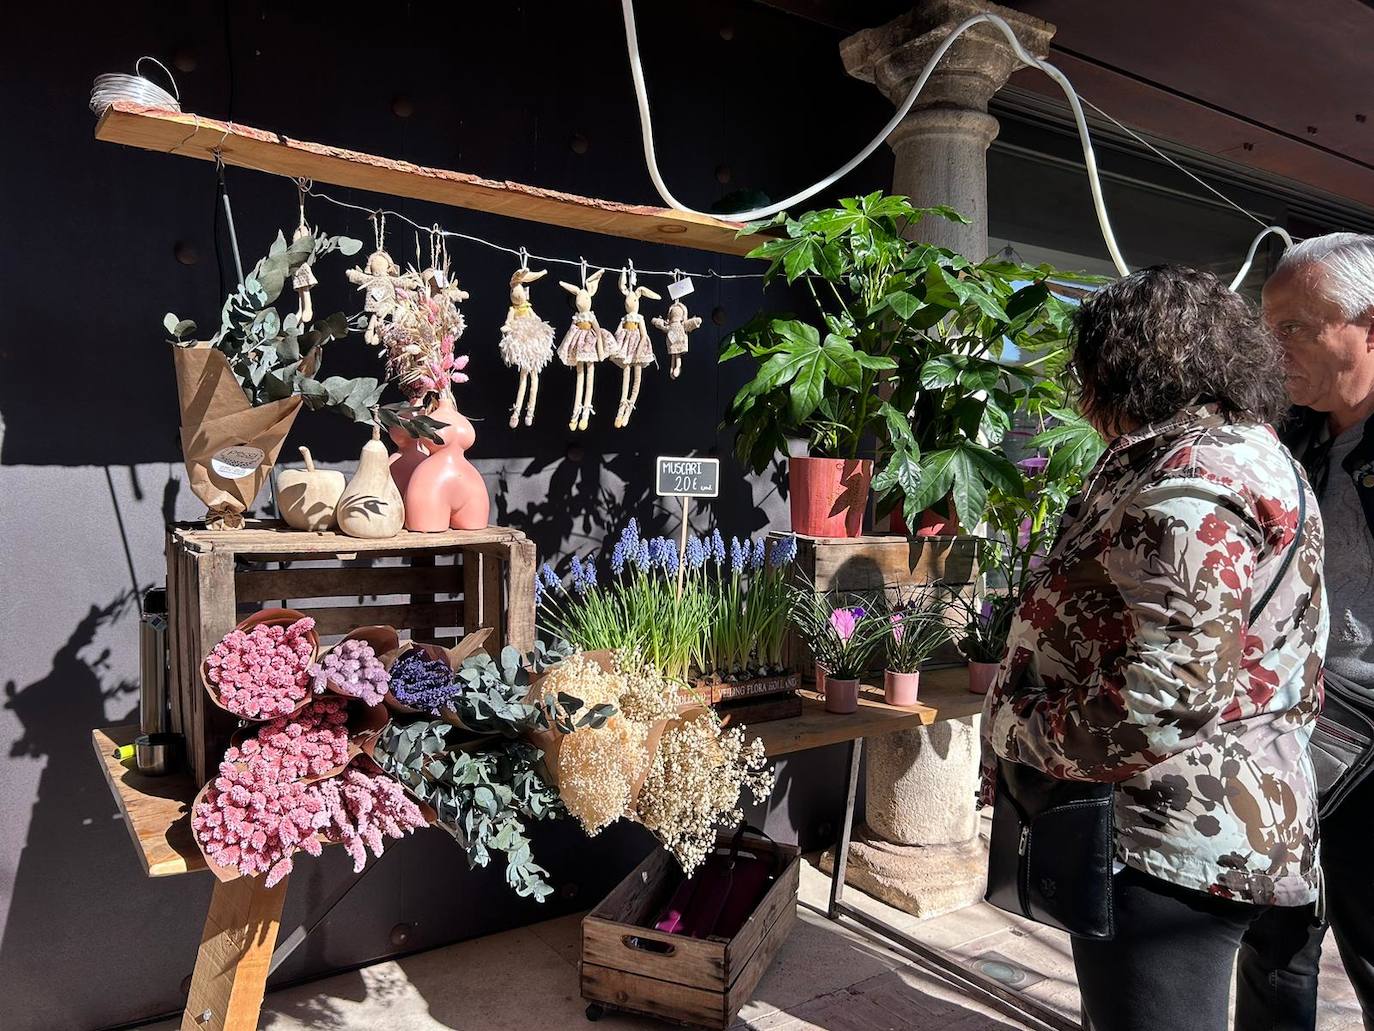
(826, 977)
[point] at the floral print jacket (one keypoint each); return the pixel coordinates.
(1132, 658)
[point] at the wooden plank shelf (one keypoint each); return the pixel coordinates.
(156, 810)
(192, 135)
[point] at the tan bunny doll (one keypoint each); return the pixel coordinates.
(677, 326)
(585, 344)
(526, 342)
(633, 348)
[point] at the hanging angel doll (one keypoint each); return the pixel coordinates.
(677, 326)
(526, 342)
(303, 280)
(387, 294)
(633, 349)
(585, 344)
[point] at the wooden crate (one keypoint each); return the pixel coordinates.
(701, 981)
(434, 586)
(878, 561)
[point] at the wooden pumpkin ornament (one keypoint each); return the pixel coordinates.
(633, 349)
(307, 497)
(371, 506)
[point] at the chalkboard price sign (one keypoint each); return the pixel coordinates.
(689, 477)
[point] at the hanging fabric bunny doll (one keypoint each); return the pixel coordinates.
(526, 341)
(585, 344)
(677, 326)
(633, 349)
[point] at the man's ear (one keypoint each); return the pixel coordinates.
(1369, 332)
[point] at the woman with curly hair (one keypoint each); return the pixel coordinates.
(1134, 659)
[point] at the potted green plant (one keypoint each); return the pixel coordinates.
(842, 637)
(986, 623)
(911, 628)
(901, 366)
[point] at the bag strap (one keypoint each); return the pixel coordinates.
(1292, 548)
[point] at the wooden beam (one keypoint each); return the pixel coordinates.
(191, 135)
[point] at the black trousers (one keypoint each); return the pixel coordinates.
(1276, 977)
(1169, 966)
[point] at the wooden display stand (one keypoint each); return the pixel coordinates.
(445, 582)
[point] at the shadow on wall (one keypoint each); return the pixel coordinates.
(74, 833)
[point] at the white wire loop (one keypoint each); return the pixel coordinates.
(1278, 231)
(137, 88)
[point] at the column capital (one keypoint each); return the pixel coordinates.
(979, 63)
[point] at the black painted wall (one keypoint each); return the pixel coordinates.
(89, 460)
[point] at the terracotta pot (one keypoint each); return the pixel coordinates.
(900, 688)
(841, 696)
(981, 676)
(929, 524)
(829, 495)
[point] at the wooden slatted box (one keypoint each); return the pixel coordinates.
(435, 586)
(875, 561)
(701, 981)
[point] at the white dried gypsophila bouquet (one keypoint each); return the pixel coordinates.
(680, 774)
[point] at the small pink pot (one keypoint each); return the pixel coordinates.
(841, 696)
(981, 676)
(900, 688)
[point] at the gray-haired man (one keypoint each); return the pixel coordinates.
(1320, 305)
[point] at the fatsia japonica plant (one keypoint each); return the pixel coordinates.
(903, 356)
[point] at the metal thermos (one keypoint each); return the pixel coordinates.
(153, 748)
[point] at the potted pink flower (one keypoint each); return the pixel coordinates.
(843, 639)
(912, 629)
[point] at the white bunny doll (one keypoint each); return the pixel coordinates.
(526, 342)
(633, 348)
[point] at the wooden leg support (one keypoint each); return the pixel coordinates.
(235, 953)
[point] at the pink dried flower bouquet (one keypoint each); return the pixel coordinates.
(247, 823)
(261, 669)
(352, 668)
(362, 808)
(312, 743)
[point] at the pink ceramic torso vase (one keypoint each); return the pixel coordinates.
(445, 490)
(410, 452)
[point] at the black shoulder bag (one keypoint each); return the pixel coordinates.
(1053, 841)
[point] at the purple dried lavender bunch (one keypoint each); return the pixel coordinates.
(422, 682)
(354, 670)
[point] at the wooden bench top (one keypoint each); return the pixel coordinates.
(273, 537)
(156, 810)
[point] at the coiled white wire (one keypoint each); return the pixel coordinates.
(1059, 78)
(114, 86)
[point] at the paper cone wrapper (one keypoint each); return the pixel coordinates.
(216, 415)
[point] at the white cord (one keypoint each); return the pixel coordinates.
(119, 86)
(1089, 158)
(1278, 231)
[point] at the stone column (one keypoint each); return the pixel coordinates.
(919, 849)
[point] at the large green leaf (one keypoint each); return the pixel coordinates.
(1074, 446)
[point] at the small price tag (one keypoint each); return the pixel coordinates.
(688, 477)
(234, 463)
(680, 289)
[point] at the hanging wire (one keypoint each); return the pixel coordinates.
(137, 88)
(519, 253)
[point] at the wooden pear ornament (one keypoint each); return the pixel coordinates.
(307, 497)
(371, 506)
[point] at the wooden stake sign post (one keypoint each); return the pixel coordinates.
(687, 478)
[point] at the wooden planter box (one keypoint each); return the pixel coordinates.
(434, 585)
(878, 561)
(701, 981)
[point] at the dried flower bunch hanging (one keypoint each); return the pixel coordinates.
(264, 671)
(352, 668)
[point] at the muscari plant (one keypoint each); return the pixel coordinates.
(484, 782)
(902, 358)
(749, 597)
(275, 356)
